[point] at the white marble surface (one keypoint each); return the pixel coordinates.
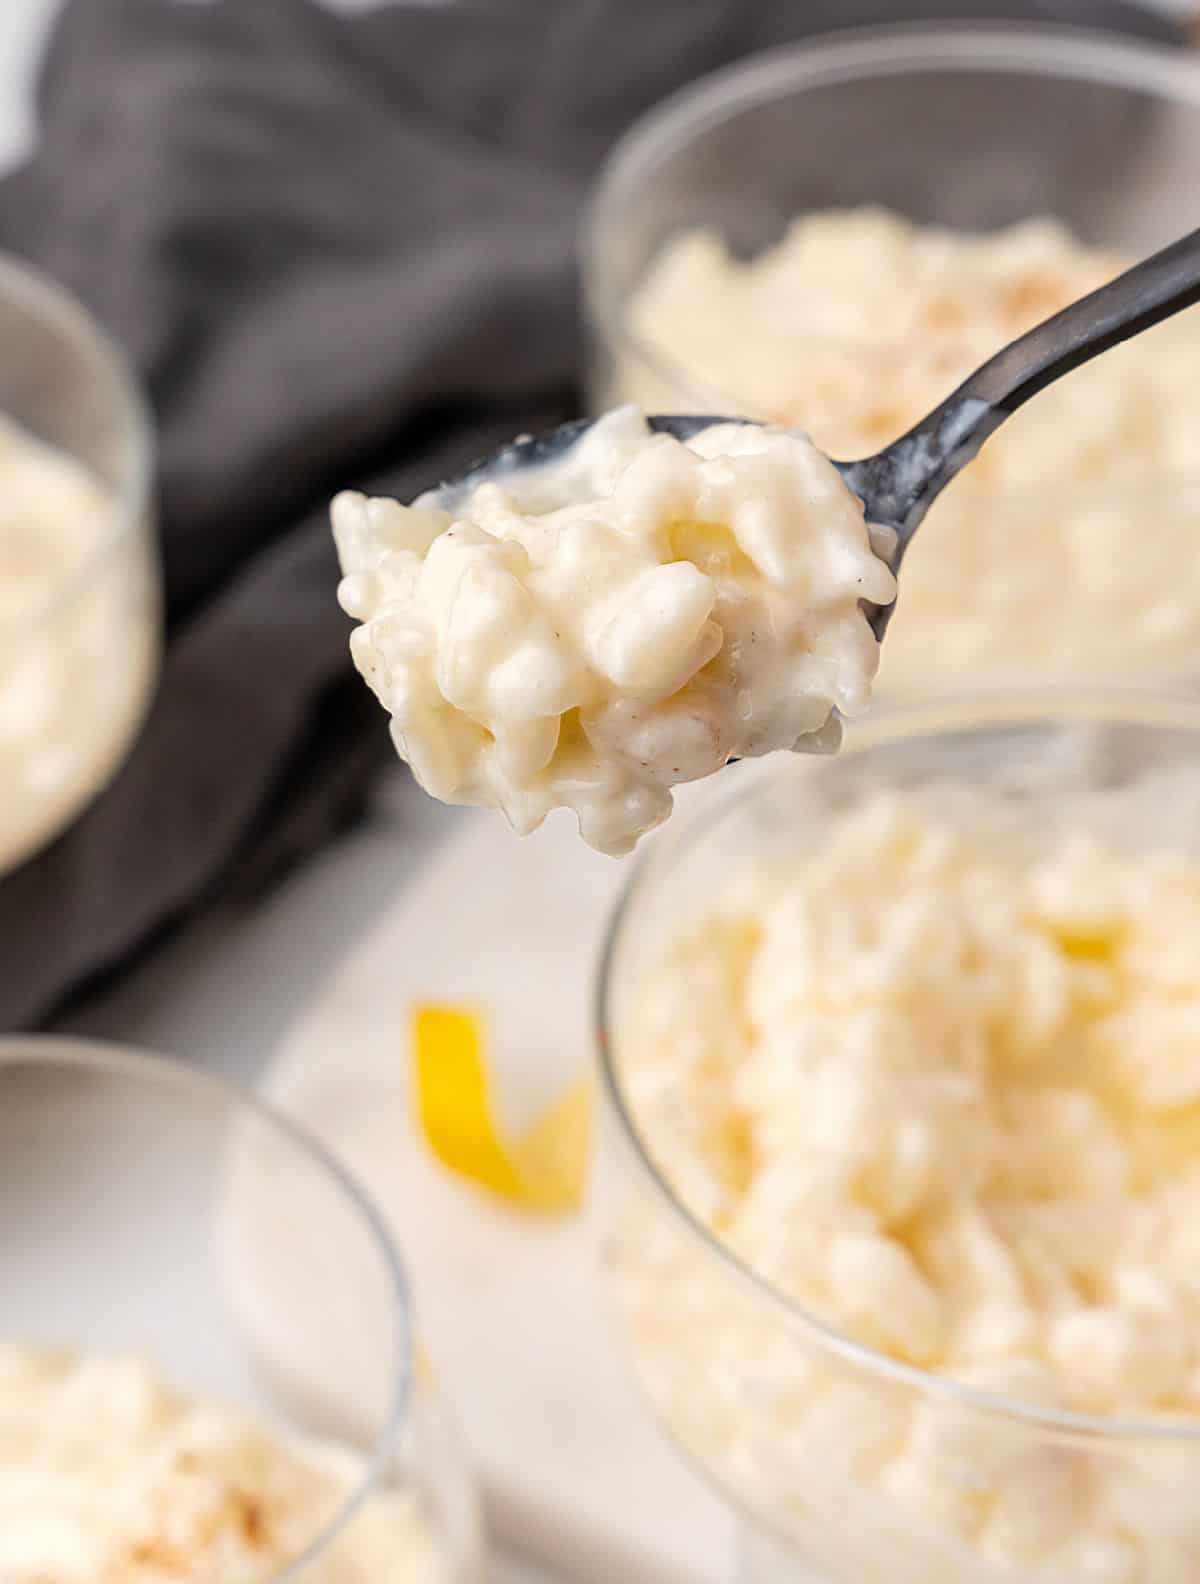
(572, 1464)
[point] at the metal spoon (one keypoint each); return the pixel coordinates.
(898, 485)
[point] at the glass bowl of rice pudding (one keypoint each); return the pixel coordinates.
(833, 235)
(79, 573)
(208, 1370)
(901, 1190)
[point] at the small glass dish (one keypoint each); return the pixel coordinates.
(1022, 573)
(150, 1213)
(777, 1408)
(79, 602)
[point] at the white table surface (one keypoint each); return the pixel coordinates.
(223, 991)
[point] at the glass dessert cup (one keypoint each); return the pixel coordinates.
(974, 128)
(78, 663)
(154, 1212)
(796, 1423)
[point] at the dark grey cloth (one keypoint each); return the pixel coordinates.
(340, 251)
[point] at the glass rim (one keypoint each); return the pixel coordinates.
(895, 49)
(43, 298)
(105, 1057)
(908, 721)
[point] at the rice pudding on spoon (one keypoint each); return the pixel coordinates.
(591, 631)
(593, 616)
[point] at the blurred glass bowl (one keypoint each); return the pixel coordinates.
(79, 619)
(149, 1210)
(970, 127)
(777, 1408)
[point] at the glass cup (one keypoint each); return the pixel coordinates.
(1027, 569)
(152, 1211)
(849, 1466)
(79, 639)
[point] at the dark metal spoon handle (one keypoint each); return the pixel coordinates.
(899, 484)
(1152, 290)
